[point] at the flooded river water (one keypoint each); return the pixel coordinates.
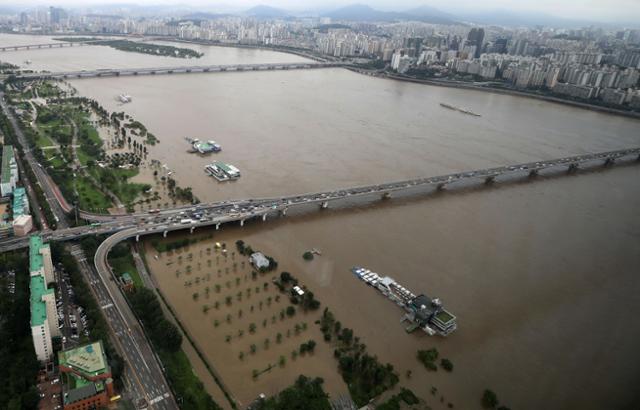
(541, 275)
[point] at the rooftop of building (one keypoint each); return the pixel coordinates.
(445, 317)
(259, 259)
(83, 391)
(20, 201)
(87, 360)
(35, 257)
(7, 157)
(38, 289)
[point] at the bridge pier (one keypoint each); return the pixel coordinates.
(609, 162)
(572, 168)
(217, 226)
(283, 212)
(137, 238)
(192, 229)
(264, 217)
(533, 173)
(441, 186)
(164, 234)
(490, 179)
(325, 205)
(242, 222)
(386, 195)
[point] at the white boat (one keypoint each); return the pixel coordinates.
(125, 98)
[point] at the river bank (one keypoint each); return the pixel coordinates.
(460, 85)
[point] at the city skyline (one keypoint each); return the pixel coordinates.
(617, 11)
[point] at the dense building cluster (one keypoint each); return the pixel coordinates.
(588, 64)
(577, 66)
(15, 218)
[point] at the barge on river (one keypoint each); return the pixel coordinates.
(422, 311)
(222, 171)
(462, 110)
(203, 147)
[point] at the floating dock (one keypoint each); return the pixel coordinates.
(202, 147)
(222, 171)
(422, 312)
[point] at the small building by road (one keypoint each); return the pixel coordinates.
(22, 225)
(126, 282)
(259, 261)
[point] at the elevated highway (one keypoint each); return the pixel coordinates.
(218, 68)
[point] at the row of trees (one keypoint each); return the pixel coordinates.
(305, 394)
(364, 374)
(18, 361)
(428, 359)
(393, 403)
(307, 301)
(164, 334)
(246, 250)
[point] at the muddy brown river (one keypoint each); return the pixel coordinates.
(543, 275)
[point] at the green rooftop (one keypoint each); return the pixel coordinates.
(35, 257)
(444, 316)
(7, 158)
(38, 307)
(88, 360)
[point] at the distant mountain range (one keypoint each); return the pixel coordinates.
(428, 14)
(361, 12)
(356, 12)
(263, 11)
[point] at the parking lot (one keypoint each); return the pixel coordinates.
(50, 392)
(72, 320)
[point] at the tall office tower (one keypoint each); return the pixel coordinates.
(476, 38)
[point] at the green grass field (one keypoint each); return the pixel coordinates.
(126, 264)
(89, 196)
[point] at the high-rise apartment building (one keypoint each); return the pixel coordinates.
(44, 322)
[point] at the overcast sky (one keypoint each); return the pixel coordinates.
(597, 10)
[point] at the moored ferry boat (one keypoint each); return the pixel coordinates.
(422, 311)
(222, 171)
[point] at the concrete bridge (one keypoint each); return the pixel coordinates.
(217, 214)
(49, 45)
(117, 72)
